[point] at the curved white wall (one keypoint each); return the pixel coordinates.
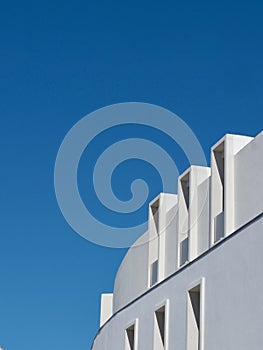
(132, 277)
(227, 268)
(233, 314)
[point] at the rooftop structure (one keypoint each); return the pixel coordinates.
(193, 281)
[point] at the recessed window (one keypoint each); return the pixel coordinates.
(184, 249)
(219, 157)
(184, 219)
(154, 273)
(159, 328)
(130, 338)
(185, 182)
(219, 153)
(194, 319)
(219, 224)
(155, 213)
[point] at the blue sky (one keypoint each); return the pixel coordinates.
(60, 60)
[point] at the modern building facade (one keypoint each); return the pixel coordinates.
(194, 280)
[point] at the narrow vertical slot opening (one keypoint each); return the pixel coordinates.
(159, 341)
(193, 323)
(219, 155)
(130, 338)
(154, 273)
(155, 213)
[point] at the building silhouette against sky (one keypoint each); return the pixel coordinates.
(194, 281)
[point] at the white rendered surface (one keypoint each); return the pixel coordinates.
(230, 270)
(232, 300)
(106, 308)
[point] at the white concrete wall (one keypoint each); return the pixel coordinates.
(154, 239)
(193, 219)
(167, 201)
(249, 181)
(184, 200)
(132, 277)
(239, 201)
(152, 245)
(203, 219)
(106, 304)
(177, 221)
(233, 314)
(198, 218)
(171, 243)
(223, 197)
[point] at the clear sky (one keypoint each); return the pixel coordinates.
(60, 60)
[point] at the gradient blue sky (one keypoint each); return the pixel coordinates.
(61, 60)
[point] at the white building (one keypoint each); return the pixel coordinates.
(194, 280)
